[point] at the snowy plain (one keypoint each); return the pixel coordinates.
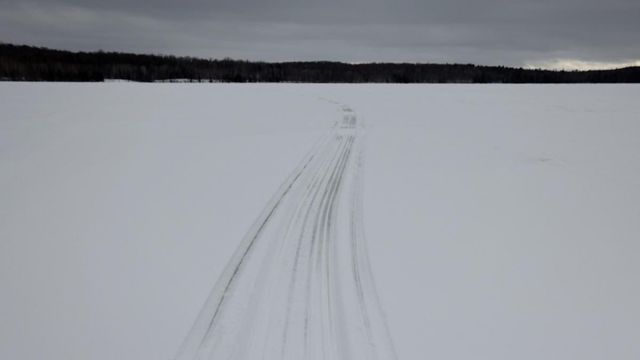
(502, 221)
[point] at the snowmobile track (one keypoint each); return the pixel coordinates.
(300, 285)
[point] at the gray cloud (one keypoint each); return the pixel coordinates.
(516, 32)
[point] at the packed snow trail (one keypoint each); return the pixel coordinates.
(299, 286)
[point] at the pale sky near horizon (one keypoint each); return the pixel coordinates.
(572, 34)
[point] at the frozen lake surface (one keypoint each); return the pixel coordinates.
(501, 221)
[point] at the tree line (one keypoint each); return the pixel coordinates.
(28, 63)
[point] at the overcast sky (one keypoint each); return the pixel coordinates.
(546, 33)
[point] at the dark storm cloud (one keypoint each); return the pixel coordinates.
(514, 32)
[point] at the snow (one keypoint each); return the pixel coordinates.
(502, 221)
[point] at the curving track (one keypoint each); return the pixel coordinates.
(299, 286)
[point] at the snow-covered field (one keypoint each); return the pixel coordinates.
(502, 221)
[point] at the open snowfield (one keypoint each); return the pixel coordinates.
(501, 221)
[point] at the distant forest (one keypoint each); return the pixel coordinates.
(27, 63)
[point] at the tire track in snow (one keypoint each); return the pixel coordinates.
(300, 286)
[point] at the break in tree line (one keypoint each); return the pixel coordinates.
(27, 63)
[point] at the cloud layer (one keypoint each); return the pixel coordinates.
(501, 32)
